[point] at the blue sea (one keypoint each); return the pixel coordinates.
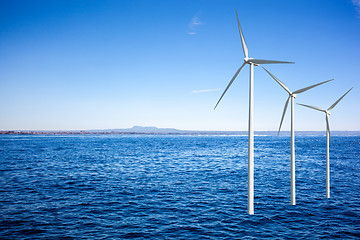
(175, 187)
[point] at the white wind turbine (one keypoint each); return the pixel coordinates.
(327, 114)
(292, 95)
(252, 62)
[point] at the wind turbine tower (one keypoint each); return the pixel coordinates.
(252, 62)
(328, 138)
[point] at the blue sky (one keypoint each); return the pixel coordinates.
(71, 65)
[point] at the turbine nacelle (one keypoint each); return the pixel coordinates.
(250, 61)
(293, 95)
(328, 113)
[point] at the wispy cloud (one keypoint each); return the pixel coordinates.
(205, 90)
(194, 24)
(357, 5)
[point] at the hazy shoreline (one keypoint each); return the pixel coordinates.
(227, 133)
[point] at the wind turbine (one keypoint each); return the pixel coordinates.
(327, 114)
(292, 95)
(252, 62)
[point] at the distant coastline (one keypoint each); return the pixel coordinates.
(138, 130)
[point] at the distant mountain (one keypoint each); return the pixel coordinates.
(156, 130)
(140, 129)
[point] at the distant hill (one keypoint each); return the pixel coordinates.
(140, 129)
(156, 130)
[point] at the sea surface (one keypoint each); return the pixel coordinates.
(175, 187)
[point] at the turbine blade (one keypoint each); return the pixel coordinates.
(245, 49)
(316, 108)
(310, 87)
(328, 126)
(278, 81)
(284, 111)
(232, 80)
(332, 106)
(262, 61)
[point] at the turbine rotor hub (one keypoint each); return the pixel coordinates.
(247, 60)
(293, 95)
(328, 113)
